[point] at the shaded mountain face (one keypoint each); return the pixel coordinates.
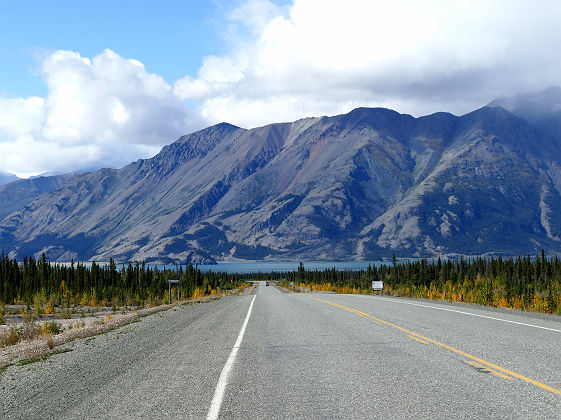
(6, 177)
(18, 194)
(542, 109)
(362, 185)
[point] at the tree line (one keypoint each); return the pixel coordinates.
(94, 284)
(522, 282)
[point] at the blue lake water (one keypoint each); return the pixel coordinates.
(265, 266)
(281, 266)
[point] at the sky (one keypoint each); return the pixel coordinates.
(86, 85)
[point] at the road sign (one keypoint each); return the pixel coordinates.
(173, 281)
(377, 285)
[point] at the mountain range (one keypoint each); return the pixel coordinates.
(358, 186)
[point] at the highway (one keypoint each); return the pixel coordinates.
(288, 355)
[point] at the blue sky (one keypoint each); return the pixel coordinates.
(90, 84)
(169, 37)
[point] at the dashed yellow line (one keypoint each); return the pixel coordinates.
(412, 334)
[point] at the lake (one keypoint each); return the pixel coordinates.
(260, 266)
(282, 266)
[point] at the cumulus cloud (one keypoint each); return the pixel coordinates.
(104, 111)
(255, 15)
(327, 56)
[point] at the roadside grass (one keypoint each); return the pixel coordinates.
(31, 342)
(493, 297)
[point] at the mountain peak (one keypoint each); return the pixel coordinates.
(377, 118)
(374, 113)
(542, 109)
(532, 106)
(224, 126)
(495, 119)
(6, 177)
(220, 129)
(494, 114)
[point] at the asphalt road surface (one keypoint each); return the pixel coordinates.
(278, 355)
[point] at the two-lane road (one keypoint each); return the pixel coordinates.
(278, 355)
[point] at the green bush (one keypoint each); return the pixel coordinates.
(50, 328)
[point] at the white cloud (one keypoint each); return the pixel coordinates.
(255, 15)
(328, 56)
(20, 115)
(105, 111)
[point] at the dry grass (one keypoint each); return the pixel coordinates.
(50, 342)
(28, 343)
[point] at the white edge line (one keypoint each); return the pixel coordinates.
(460, 312)
(214, 409)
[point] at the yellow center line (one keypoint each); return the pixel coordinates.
(418, 339)
(489, 370)
(469, 356)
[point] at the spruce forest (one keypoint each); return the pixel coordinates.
(531, 284)
(100, 285)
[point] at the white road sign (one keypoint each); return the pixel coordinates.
(377, 285)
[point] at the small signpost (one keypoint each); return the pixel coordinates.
(377, 285)
(173, 281)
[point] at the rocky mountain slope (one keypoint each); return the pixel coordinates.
(362, 185)
(18, 194)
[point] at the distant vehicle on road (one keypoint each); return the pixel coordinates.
(267, 283)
